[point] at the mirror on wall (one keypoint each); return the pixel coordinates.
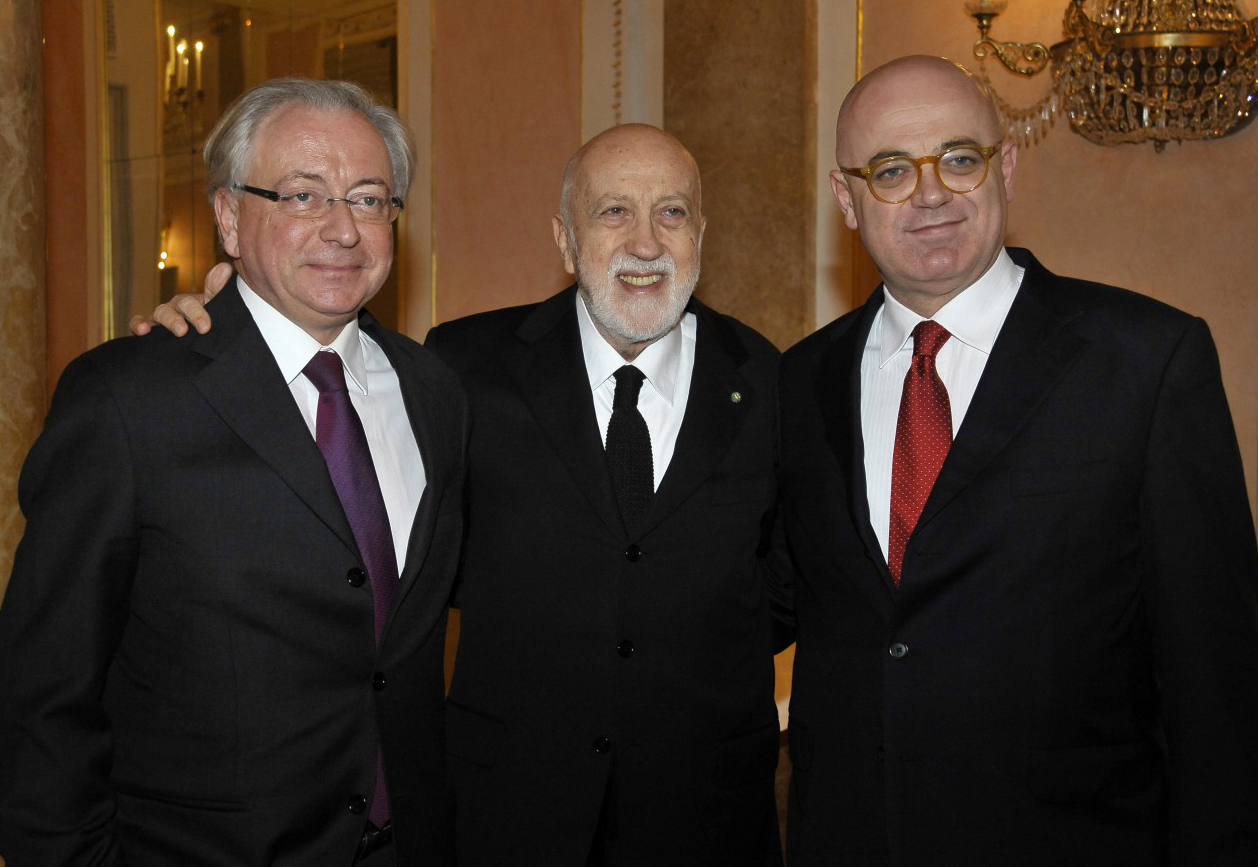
(171, 68)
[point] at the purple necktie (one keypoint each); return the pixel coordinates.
(339, 433)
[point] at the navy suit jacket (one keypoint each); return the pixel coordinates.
(186, 659)
(584, 647)
(1068, 671)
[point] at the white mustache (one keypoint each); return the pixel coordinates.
(627, 262)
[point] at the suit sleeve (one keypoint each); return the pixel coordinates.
(436, 343)
(1198, 541)
(61, 621)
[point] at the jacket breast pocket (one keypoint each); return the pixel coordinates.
(175, 799)
(730, 490)
(1042, 481)
(1095, 773)
(474, 736)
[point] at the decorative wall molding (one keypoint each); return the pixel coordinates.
(622, 64)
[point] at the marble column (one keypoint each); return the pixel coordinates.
(739, 85)
(22, 319)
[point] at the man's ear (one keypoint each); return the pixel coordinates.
(1008, 160)
(562, 241)
(843, 193)
(226, 213)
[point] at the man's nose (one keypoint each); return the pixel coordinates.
(645, 241)
(930, 192)
(339, 224)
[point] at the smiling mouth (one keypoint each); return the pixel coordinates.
(647, 280)
(946, 224)
(335, 266)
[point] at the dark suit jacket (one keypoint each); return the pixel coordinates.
(584, 647)
(186, 660)
(1068, 673)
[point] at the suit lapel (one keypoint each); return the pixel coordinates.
(1033, 351)
(557, 391)
(713, 415)
(839, 396)
(423, 405)
(244, 386)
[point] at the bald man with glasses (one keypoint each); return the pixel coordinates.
(1020, 546)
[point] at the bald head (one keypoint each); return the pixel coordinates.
(934, 244)
(622, 144)
(909, 84)
(630, 228)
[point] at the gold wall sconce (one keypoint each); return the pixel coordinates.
(1131, 71)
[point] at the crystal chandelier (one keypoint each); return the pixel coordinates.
(1131, 71)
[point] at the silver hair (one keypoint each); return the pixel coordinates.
(230, 146)
(565, 193)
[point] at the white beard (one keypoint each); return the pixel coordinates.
(636, 318)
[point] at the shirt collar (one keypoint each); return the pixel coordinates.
(659, 362)
(293, 348)
(974, 316)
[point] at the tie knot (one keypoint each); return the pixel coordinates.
(325, 372)
(628, 384)
(928, 337)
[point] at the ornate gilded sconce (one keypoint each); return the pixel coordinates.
(1131, 71)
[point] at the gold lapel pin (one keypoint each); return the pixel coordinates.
(735, 396)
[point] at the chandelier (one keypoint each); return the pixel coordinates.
(1131, 71)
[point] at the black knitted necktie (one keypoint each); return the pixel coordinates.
(629, 448)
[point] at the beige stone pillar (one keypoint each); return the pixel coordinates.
(22, 321)
(739, 91)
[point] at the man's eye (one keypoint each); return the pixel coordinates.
(615, 211)
(302, 197)
(675, 213)
(962, 161)
(889, 173)
(368, 201)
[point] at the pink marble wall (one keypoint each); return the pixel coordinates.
(22, 328)
(506, 115)
(738, 92)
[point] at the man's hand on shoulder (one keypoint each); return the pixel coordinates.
(185, 309)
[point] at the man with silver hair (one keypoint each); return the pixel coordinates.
(612, 701)
(222, 642)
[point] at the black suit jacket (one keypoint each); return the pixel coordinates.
(186, 665)
(1068, 672)
(582, 646)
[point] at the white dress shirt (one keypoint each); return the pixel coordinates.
(667, 365)
(973, 318)
(376, 394)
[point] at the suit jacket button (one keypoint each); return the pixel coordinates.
(633, 554)
(898, 650)
(377, 681)
(602, 746)
(357, 804)
(355, 577)
(625, 648)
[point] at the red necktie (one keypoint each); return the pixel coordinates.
(923, 435)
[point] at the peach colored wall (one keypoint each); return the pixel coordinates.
(70, 184)
(738, 93)
(505, 118)
(1176, 225)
